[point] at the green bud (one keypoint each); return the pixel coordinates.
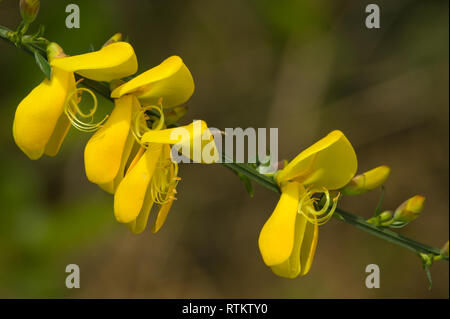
(54, 51)
(385, 216)
(381, 219)
(29, 10)
(410, 209)
(367, 181)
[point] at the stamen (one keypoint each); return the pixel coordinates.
(73, 111)
(307, 209)
(164, 181)
(140, 121)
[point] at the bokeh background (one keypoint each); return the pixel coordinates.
(306, 67)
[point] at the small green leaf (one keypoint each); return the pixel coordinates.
(43, 64)
(247, 183)
(380, 201)
(427, 262)
(430, 281)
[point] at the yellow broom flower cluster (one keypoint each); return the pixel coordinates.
(125, 156)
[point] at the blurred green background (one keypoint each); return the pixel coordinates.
(306, 67)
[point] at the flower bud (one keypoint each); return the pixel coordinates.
(410, 209)
(115, 38)
(54, 51)
(367, 181)
(380, 219)
(444, 250)
(385, 216)
(29, 10)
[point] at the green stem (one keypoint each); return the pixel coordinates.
(269, 183)
(387, 234)
(380, 202)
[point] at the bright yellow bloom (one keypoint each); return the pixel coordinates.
(150, 180)
(108, 151)
(194, 141)
(288, 239)
(169, 84)
(39, 123)
(153, 176)
(114, 61)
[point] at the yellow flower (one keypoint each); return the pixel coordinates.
(288, 239)
(39, 124)
(114, 61)
(109, 149)
(152, 177)
(194, 141)
(169, 84)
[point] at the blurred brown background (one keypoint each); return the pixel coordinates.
(306, 67)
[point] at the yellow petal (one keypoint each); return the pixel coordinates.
(136, 153)
(138, 225)
(331, 163)
(108, 149)
(37, 119)
(308, 248)
(175, 135)
(305, 243)
(59, 134)
(276, 240)
(291, 267)
(193, 140)
(113, 61)
(133, 189)
(162, 215)
(171, 80)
